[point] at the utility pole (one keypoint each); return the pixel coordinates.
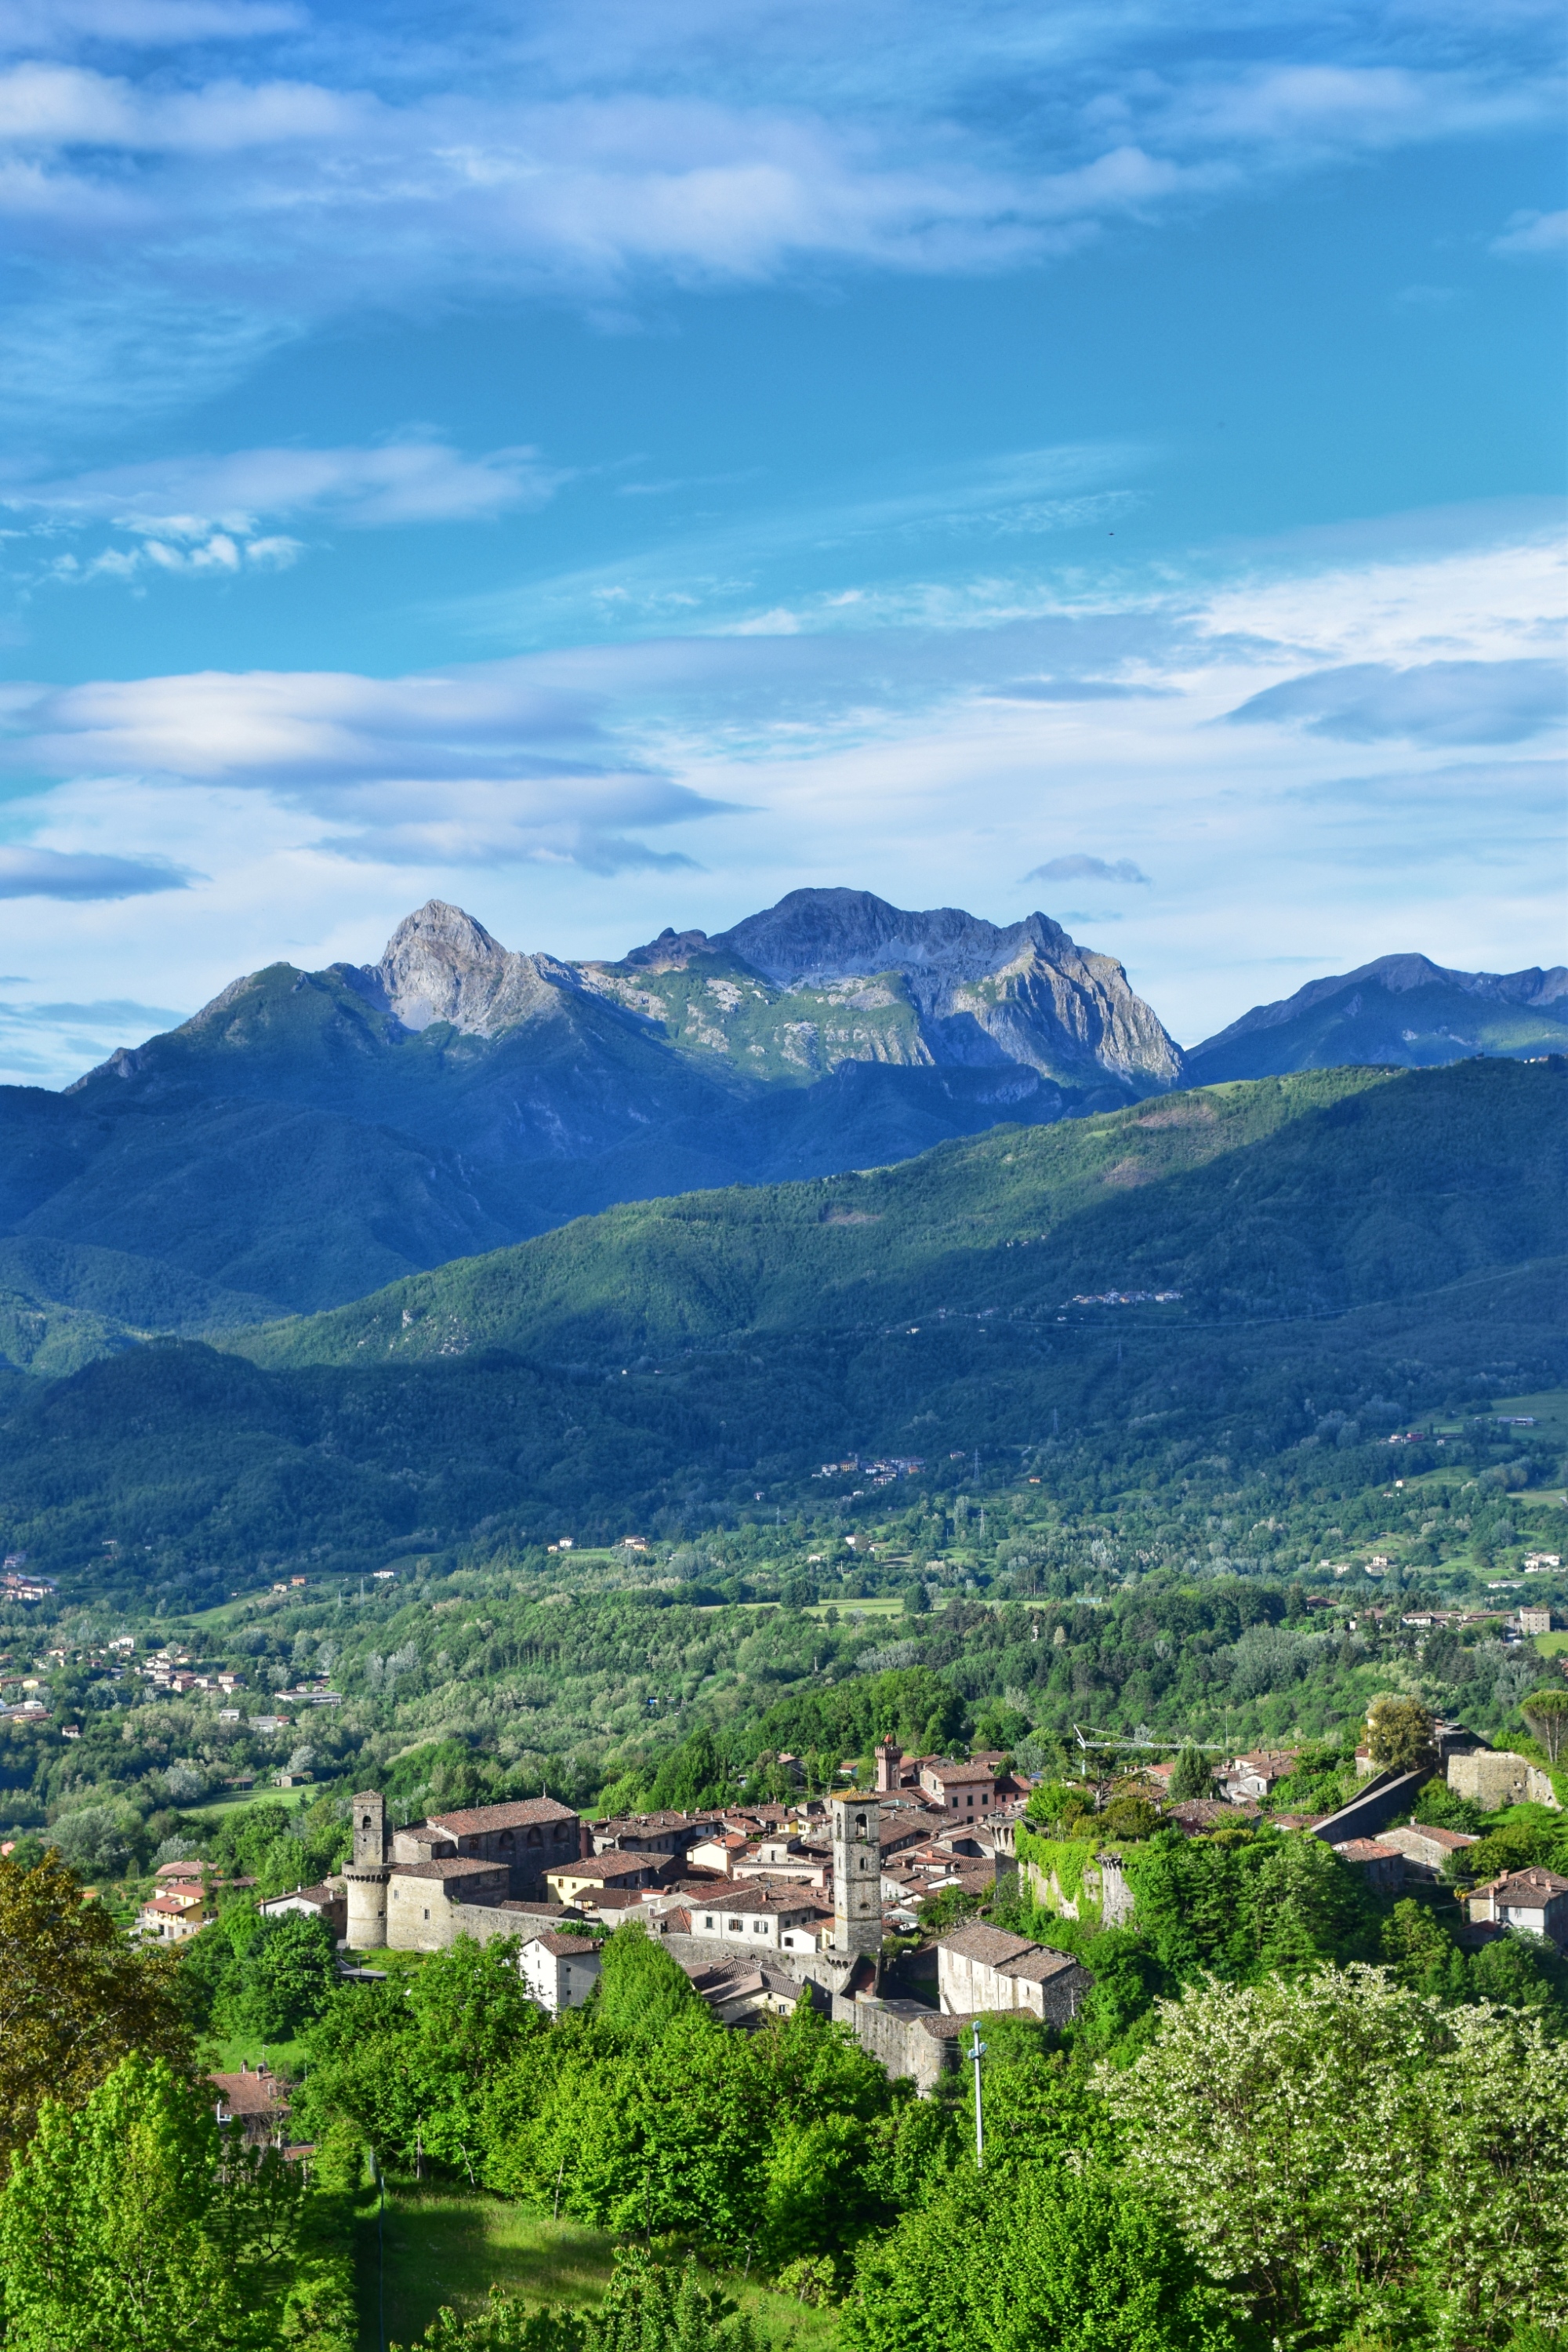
(978, 2054)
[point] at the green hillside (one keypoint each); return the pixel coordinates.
(1288, 1197)
(1353, 1249)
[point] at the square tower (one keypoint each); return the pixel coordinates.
(857, 1874)
(370, 1831)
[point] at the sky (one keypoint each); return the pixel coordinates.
(609, 465)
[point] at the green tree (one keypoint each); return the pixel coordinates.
(1193, 1776)
(1546, 1712)
(1077, 2258)
(121, 2231)
(74, 1998)
(1399, 1732)
(287, 1977)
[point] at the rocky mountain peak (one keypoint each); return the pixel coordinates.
(441, 965)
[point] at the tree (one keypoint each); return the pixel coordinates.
(1077, 2258)
(1399, 1732)
(1546, 1712)
(288, 1975)
(1193, 1776)
(125, 2227)
(74, 1998)
(1346, 2153)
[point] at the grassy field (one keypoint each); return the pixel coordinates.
(1548, 1408)
(1552, 1646)
(441, 2246)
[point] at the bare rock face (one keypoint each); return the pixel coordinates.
(1022, 992)
(440, 965)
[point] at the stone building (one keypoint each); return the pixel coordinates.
(856, 1876)
(980, 1967)
(479, 1871)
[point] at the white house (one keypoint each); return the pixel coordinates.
(758, 1921)
(560, 1971)
(980, 1969)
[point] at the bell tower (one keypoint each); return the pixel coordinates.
(857, 1874)
(366, 1877)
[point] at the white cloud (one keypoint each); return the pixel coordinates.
(1529, 233)
(206, 513)
(603, 157)
(1079, 868)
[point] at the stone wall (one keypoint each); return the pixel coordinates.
(1492, 1777)
(1105, 1894)
(913, 2042)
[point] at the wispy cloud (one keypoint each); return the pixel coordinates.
(1531, 232)
(1430, 702)
(1079, 868)
(62, 874)
(210, 514)
(463, 768)
(603, 157)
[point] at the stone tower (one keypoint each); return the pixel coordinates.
(366, 1875)
(857, 1874)
(890, 1761)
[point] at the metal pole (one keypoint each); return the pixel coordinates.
(978, 2054)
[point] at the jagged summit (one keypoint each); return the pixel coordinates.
(441, 965)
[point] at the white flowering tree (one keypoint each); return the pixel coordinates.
(1346, 2154)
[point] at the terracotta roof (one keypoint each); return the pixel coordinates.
(251, 2093)
(1533, 1885)
(959, 1772)
(1037, 1966)
(734, 1904)
(560, 1948)
(1369, 1849)
(477, 1819)
(604, 1866)
(1451, 1841)
(322, 1893)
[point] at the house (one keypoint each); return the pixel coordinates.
(1382, 1866)
(1528, 1902)
(327, 1902)
(1255, 1775)
(1535, 1620)
(980, 1968)
(966, 1789)
(582, 1880)
(666, 1833)
(745, 1991)
(560, 1971)
(1425, 1851)
(765, 1920)
(255, 2103)
(173, 1916)
(719, 1853)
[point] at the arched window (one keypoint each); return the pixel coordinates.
(534, 1838)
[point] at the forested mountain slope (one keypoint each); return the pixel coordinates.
(1354, 1243)
(1402, 1009)
(1287, 1197)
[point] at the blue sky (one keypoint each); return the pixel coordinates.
(611, 464)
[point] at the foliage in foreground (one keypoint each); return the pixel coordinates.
(74, 1999)
(128, 2225)
(650, 2307)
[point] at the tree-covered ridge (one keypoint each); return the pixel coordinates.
(1294, 1196)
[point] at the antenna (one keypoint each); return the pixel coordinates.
(978, 2054)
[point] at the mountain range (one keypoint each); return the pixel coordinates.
(308, 1137)
(1224, 1273)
